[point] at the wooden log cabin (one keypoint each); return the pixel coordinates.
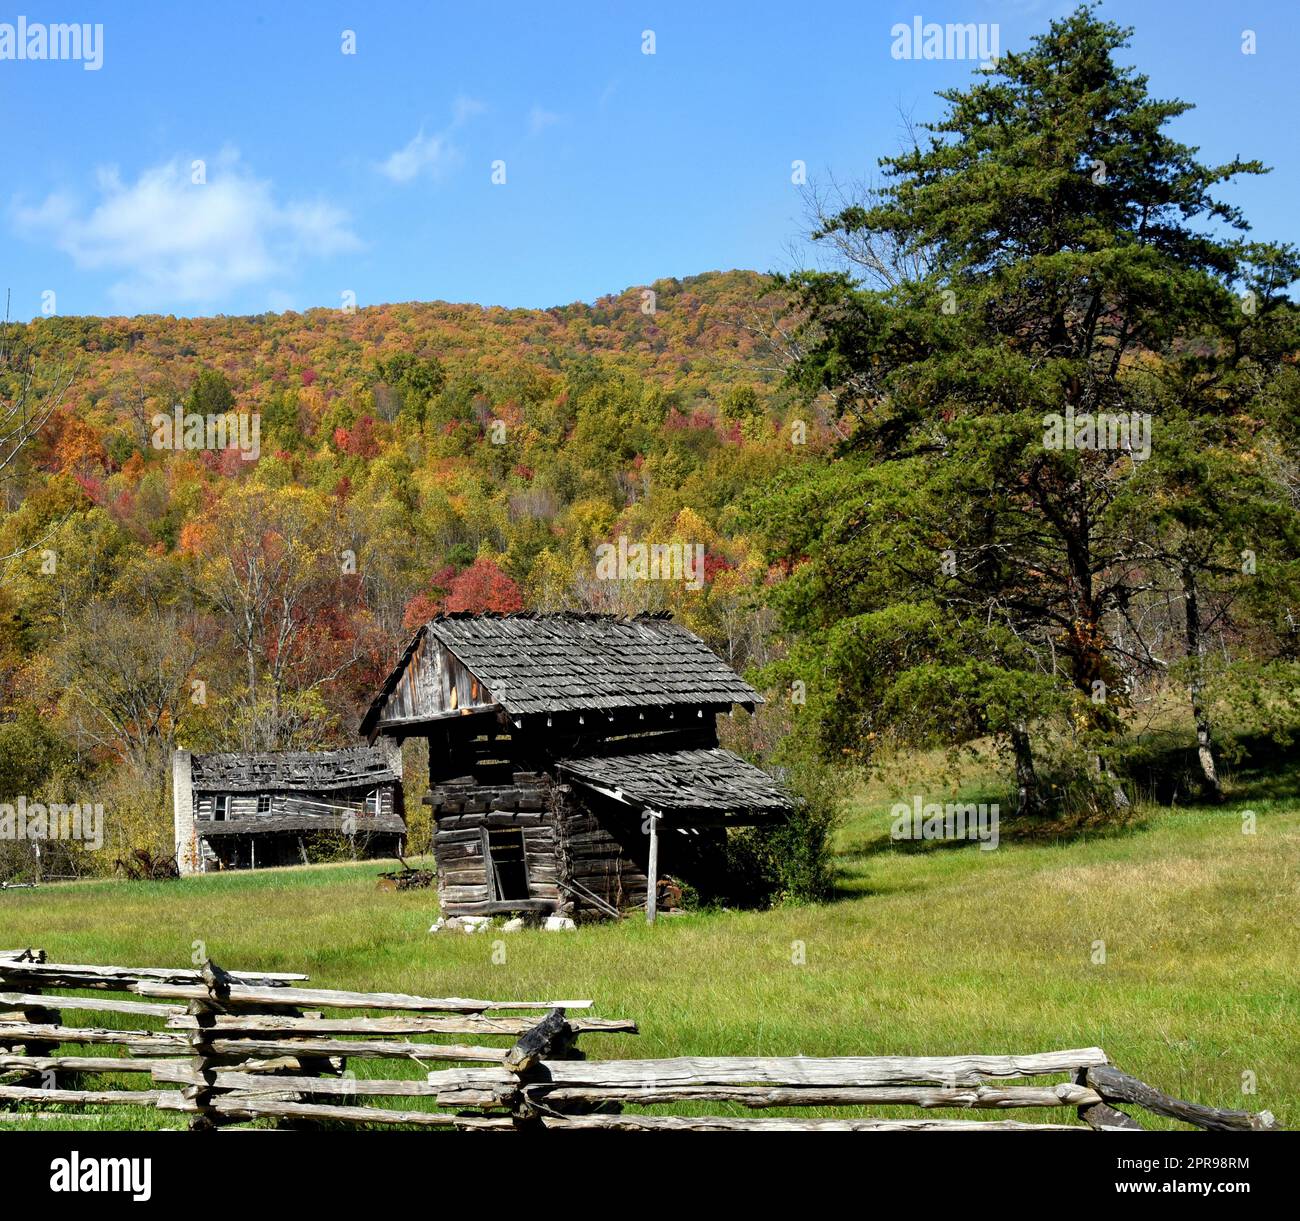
(250, 811)
(572, 758)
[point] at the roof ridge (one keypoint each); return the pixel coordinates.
(274, 756)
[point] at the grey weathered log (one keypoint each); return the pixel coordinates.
(60, 1117)
(90, 1034)
(758, 1097)
(505, 1094)
(1117, 1086)
(719, 1123)
(262, 1096)
(19, 1093)
(331, 1087)
(798, 1071)
(237, 1023)
(249, 1109)
(56, 973)
(382, 1049)
(84, 1064)
(24, 1000)
(132, 1064)
(329, 999)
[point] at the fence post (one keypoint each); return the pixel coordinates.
(551, 1039)
(217, 983)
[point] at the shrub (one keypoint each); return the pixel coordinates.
(791, 861)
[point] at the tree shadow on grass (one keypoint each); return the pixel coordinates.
(1054, 826)
(1157, 770)
(853, 886)
(1257, 768)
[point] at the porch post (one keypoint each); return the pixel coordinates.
(652, 871)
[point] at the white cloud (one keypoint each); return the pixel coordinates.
(179, 242)
(433, 155)
(430, 155)
(539, 120)
(465, 108)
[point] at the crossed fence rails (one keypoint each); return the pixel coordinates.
(225, 1048)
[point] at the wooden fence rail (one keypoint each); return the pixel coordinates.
(595, 1094)
(227, 1048)
(33, 1029)
(246, 1045)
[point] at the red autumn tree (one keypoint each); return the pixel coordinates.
(484, 587)
(420, 609)
(359, 441)
(480, 587)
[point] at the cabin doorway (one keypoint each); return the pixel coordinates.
(506, 863)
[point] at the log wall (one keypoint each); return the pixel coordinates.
(585, 856)
(602, 855)
(464, 812)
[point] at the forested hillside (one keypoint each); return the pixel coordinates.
(406, 458)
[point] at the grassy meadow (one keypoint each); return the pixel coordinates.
(928, 949)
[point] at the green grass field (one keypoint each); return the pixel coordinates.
(931, 951)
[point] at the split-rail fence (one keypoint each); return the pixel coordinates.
(224, 1048)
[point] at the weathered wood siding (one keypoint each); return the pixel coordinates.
(605, 855)
(231, 842)
(434, 681)
(579, 854)
(325, 807)
(605, 850)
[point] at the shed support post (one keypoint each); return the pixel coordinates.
(652, 870)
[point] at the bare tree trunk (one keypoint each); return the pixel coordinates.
(1101, 769)
(1030, 800)
(1196, 684)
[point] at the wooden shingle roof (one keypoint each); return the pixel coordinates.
(710, 779)
(289, 771)
(536, 663)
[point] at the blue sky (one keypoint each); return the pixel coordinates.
(372, 173)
